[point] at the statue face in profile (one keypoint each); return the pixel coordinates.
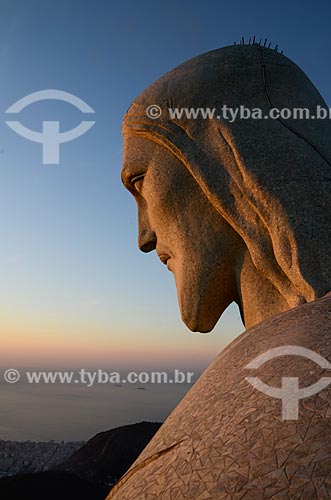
(188, 234)
(238, 211)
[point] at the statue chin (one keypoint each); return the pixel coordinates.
(198, 314)
(199, 325)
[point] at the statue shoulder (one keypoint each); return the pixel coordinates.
(256, 420)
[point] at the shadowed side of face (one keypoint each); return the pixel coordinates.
(176, 219)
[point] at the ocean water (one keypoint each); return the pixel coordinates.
(74, 412)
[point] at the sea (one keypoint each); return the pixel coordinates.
(69, 412)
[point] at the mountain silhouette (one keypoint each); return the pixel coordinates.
(108, 455)
(53, 485)
(87, 474)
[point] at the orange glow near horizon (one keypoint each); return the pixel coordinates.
(41, 339)
(48, 347)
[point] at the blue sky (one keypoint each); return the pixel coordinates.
(74, 288)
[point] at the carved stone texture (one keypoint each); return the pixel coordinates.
(228, 440)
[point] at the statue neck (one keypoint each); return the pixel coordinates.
(258, 299)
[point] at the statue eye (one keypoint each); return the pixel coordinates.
(136, 182)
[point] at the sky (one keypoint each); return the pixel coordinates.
(74, 288)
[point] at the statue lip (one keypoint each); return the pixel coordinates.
(164, 257)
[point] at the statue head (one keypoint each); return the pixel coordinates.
(238, 209)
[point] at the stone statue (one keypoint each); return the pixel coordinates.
(239, 210)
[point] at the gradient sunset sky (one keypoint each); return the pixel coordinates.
(74, 288)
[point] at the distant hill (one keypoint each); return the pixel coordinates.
(50, 485)
(108, 455)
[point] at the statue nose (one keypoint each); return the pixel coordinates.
(147, 241)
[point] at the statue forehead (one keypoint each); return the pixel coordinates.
(139, 153)
(137, 146)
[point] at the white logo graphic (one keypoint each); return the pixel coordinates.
(289, 393)
(50, 137)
